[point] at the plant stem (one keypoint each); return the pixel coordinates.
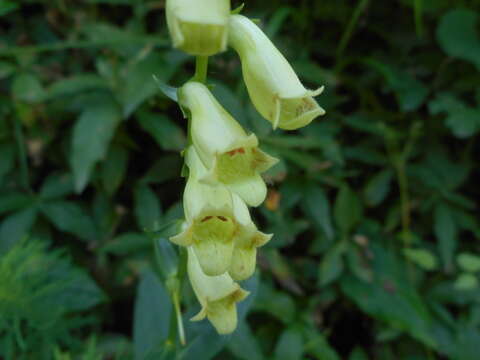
(362, 5)
(201, 69)
(418, 17)
(22, 154)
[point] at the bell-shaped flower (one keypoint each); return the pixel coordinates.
(198, 27)
(244, 256)
(218, 296)
(273, 86)
(231, 156)
(213, 224)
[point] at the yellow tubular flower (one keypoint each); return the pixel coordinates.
(231, 156)
(198, 27)
(218, 296)
(244, 256)
(272, 84)
(215, 223)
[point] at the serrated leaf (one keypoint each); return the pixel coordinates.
(92, 134)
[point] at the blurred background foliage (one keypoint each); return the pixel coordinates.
(374, 206)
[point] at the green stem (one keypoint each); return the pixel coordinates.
(362, 5)
(418, 8)
(22, 154)
(201, 69)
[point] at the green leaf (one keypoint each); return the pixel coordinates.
(331, 266)
(166, 257)
(466, 281)
(7, 159)
(92, 134)
(410, 92)
(458, 36)
(15, 227)
(317, 207)
(422, 258)
(57, 185)
(358, 354)
(152, 315)
(148, 211)
(7, 6)
(378, 187)
(244, 345)
(76, 84)
(290, 346)
(12, 201)
(446, 232)
(27, 87)
(469, 262)
(114, 168)
(139, 84)
(166, 133)
(70, 217)
(390, 298)
(6, 68)
(464, 123)
(348, 209)
(127, 243)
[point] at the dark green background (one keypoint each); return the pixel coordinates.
(374, 206)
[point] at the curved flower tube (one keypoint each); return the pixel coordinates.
(218, 296)
(215, 223)
(231, 156)
(198, 27)
(272, 84)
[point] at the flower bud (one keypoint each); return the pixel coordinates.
(231, 156)
(198, 27)
(272, 84)
(218, 296)
(213, 223)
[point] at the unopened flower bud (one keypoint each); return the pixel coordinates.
(231, 156)
(218, 296)
(198, 27)
(272, 84)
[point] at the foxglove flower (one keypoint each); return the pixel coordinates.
(216, 224)
(231, 156)
(218, 296)
(244, 256)
(272, 84)
(198, 27)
